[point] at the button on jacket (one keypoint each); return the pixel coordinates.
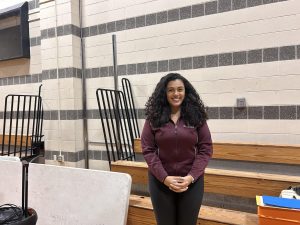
(176, 149)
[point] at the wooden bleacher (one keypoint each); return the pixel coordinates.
(15, 141)
(220, 181)
(141, 211)
(14, 144)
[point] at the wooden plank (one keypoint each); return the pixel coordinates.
(141, 213)
(244, 186)
(257, 153)
(15, 141)
(137, 145)
(249, 152)
(137, 170)
(263, 176)
(228, 182)
(140, 216)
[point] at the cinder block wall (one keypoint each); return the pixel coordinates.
(228, 49)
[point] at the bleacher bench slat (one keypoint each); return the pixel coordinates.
(237, 183)
(257, 153)
(250, 152)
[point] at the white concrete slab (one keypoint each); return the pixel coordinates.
(10, 182)
(69, 196)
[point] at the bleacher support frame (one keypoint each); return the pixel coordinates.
(22, 126)
(116, 126)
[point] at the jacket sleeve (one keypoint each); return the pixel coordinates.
(204, 152)
(149, 149)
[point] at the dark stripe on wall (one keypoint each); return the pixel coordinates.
(60, 31)
(282, 53)
(186, 12)
(35, 41)
(102, 155)
(45, 75)
(33, 4)
(279, 112)
(266, 55)
(68, 156)
(284, 112)
(24, 79)
(198, 62)
(77, 156)
(62, 73)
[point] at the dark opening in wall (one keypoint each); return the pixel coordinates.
(14, 32)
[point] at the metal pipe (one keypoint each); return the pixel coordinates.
(114, 44)
(83, 83)
(115, 72)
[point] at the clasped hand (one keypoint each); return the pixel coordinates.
(178, 184)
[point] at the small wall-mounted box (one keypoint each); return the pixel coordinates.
(241, 103)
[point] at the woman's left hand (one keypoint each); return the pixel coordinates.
(181, 184)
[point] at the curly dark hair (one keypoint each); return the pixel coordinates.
(158, 110)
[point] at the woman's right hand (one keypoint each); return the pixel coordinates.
(175, 183)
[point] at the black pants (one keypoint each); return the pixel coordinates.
(171, 208)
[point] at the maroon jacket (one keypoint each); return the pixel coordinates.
(176, 149)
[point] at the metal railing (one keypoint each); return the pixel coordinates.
(22, 126)
(116, 125)
(126, 86)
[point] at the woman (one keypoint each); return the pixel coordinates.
(177, 146)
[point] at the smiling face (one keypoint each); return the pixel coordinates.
(175, 94)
